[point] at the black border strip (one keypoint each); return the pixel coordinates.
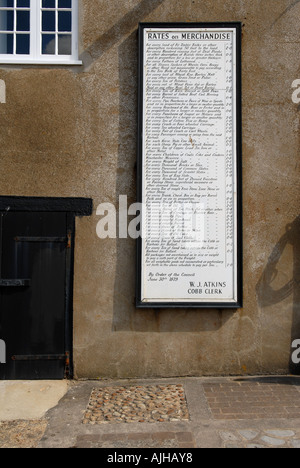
(200, 305)
(78, 206)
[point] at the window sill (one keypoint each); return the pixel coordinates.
(41, 62)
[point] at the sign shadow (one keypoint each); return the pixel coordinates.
(126, 316)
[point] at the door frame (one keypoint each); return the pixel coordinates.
(72, 207)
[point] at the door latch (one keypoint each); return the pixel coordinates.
(69, 240)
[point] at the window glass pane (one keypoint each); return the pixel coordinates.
(56, 28)
(23, 21)
(48, 4)
(6, 43)
(65, 21)
(7, 3)
(6, 20)
(48, 23)
(64, 4)
(23, 44)
(23, 3)
(48, 44)
(64, 45)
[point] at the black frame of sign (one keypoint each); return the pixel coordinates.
(140, 169)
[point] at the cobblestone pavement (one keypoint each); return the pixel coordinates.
(162, 403)
(250, 438)
(261, 412)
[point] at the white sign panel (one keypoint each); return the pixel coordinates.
(189, 166)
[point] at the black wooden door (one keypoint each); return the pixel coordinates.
(33, 294)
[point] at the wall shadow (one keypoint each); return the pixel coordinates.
(287, 10)
(123, 27)
(126, 317)
(268, 296)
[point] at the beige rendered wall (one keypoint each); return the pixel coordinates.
(71, 131)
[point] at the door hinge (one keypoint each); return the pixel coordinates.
(39, 357)
(14, 283)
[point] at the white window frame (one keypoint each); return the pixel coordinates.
(36, 57)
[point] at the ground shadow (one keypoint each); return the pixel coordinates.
(280, 380)
(268, 296)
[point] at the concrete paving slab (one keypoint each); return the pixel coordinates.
(29, 400)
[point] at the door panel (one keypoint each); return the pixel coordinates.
(33, 314)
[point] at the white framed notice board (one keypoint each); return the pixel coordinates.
(190, 166)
